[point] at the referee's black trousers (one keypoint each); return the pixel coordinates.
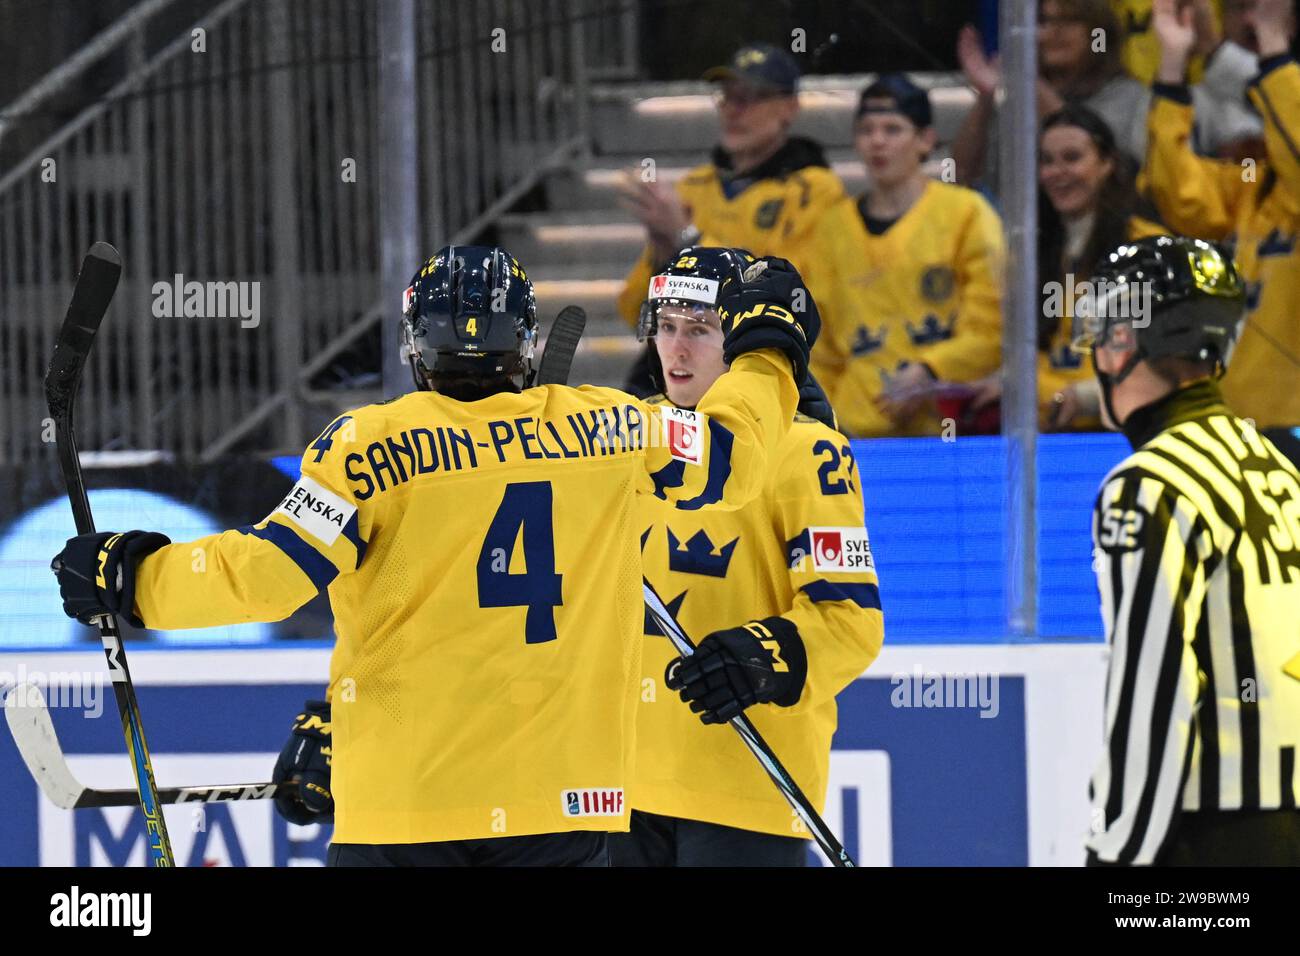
(1231, 838)
(1235, 838)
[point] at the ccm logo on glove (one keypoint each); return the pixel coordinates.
(756, 663)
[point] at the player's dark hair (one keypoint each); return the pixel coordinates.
(1176, 370)
(465, 388)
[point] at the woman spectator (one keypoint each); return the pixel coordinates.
(1087, 205)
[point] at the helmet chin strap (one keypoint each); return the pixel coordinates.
(1108, 381)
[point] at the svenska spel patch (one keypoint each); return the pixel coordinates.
(840, 549)
(316, 509)
(690, 288)
(684, 434)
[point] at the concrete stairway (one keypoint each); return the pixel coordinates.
(581, 247)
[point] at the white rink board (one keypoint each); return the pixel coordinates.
(1063, 687)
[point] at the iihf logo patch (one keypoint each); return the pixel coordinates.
(593, 802)
(683, 434)
(841, 549)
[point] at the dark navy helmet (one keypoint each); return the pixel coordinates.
(692, 282)
(1181, 297)
(469, 312)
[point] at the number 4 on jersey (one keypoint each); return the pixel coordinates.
(526, 504)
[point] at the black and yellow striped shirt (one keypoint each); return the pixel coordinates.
(1197, 543)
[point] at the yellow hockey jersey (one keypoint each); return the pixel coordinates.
(1220, 200)
(482, 561)
(772, 216)
(928, 290)
(800, 551)
(1141, 51)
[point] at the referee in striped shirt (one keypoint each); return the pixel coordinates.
(1197, 550)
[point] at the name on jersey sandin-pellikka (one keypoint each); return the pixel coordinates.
(618, 429)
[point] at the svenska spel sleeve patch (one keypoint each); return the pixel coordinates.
(316, 509)
(684, 434)
(840, 549)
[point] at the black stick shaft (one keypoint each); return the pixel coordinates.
(823, 834)
(100, 271)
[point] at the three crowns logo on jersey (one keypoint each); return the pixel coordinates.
(698, 556)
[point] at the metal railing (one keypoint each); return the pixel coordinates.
(236, 172)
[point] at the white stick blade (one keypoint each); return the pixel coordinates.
(33, 732)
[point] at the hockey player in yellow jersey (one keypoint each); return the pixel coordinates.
(1257, 205)
(763, 190)
(788, 574)
(479, 540)
(908, 277)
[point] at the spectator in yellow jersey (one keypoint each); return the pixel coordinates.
(1082, 52)
(1087, 205)
(907, 276)
(1255, 203)
(786, 593)
(1141, 50)
(762, 189)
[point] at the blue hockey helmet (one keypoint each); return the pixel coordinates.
(469, 312)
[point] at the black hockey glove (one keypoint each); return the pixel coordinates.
(770, 309)
(96, 572)
(306, 759)
(763, 661)
(814, 403)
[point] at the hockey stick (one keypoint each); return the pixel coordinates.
(33, 733)
(827, 840)
(561, 344)
(96, 283)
